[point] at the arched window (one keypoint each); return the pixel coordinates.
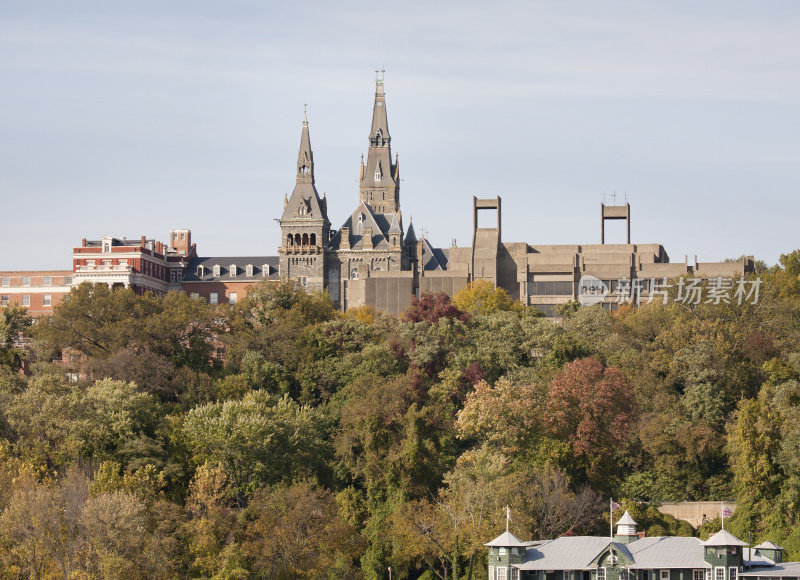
(289, 240)
(313, 239)
(297, 239)
(216, 270)
(354, 274)
(305, 239)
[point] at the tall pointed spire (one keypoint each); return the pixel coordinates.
(379, 187)
(305, 157)
(305, 203)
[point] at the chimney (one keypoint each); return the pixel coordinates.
(83, 243)
(366, 239)
(345, 235)
(144, 240)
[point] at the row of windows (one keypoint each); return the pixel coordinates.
(5, 281)
(233, 270)
(213, 297)
(47, 300)
(550, 288)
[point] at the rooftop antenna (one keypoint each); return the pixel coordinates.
(604, 197)
(614, 197)
(508, 516)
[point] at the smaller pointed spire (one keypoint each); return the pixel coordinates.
(396, 167)
(305, 158)
(285, 200)
(411, 236)
(361, 175)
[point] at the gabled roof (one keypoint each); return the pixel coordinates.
(506, 540)
(668, 552)
(753, 558)
(724, 538)
(361, 219)
(433, 258)
(568, 553)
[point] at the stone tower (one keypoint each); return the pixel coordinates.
(379, 185)
(305, 228)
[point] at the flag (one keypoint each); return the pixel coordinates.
(726, 512)
(614, 506)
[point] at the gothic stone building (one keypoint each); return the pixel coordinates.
(372, 259)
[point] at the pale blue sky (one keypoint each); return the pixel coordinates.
(131, 118)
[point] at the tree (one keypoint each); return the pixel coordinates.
(260, 439)
(592, 407)
(432, 307)
(295, 531)
(14, 320)
(481, 297)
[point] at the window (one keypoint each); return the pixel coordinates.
(26, 280)
(233, 271)
(195, 295)
(732, 573)
(213, 298)
(719, 573)
(265, 270)
(664, 574)
(601, 574)
(4, 300)
(5, 281)
(232, 297)
(106, 246)
(216, 270)
(200, 271)
(501, 573)
(354, 276)
(47, 300)
(491, 572)
(249, 270)
(26, 299)
(514, 574)
(172, 275)
(67, 280)
(47, 281)
(179, 276)
(708, 574)
(501, 552)
(698, 575)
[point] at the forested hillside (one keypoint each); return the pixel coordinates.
(335, 445)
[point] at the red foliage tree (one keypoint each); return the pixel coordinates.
(432, 307)
(592, 407)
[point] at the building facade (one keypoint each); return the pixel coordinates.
(632, 556)
(373, 259)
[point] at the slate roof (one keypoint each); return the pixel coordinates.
(224, 263)
(667, 552)
(433, 258)
(368, 219)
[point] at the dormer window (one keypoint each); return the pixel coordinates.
(302, 209)
(233, 271)
(106, 246)
(265, 270)
(360, 218)
(249, 270)
(201, 271)
(216, 270)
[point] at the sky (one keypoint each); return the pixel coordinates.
(134, 118)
